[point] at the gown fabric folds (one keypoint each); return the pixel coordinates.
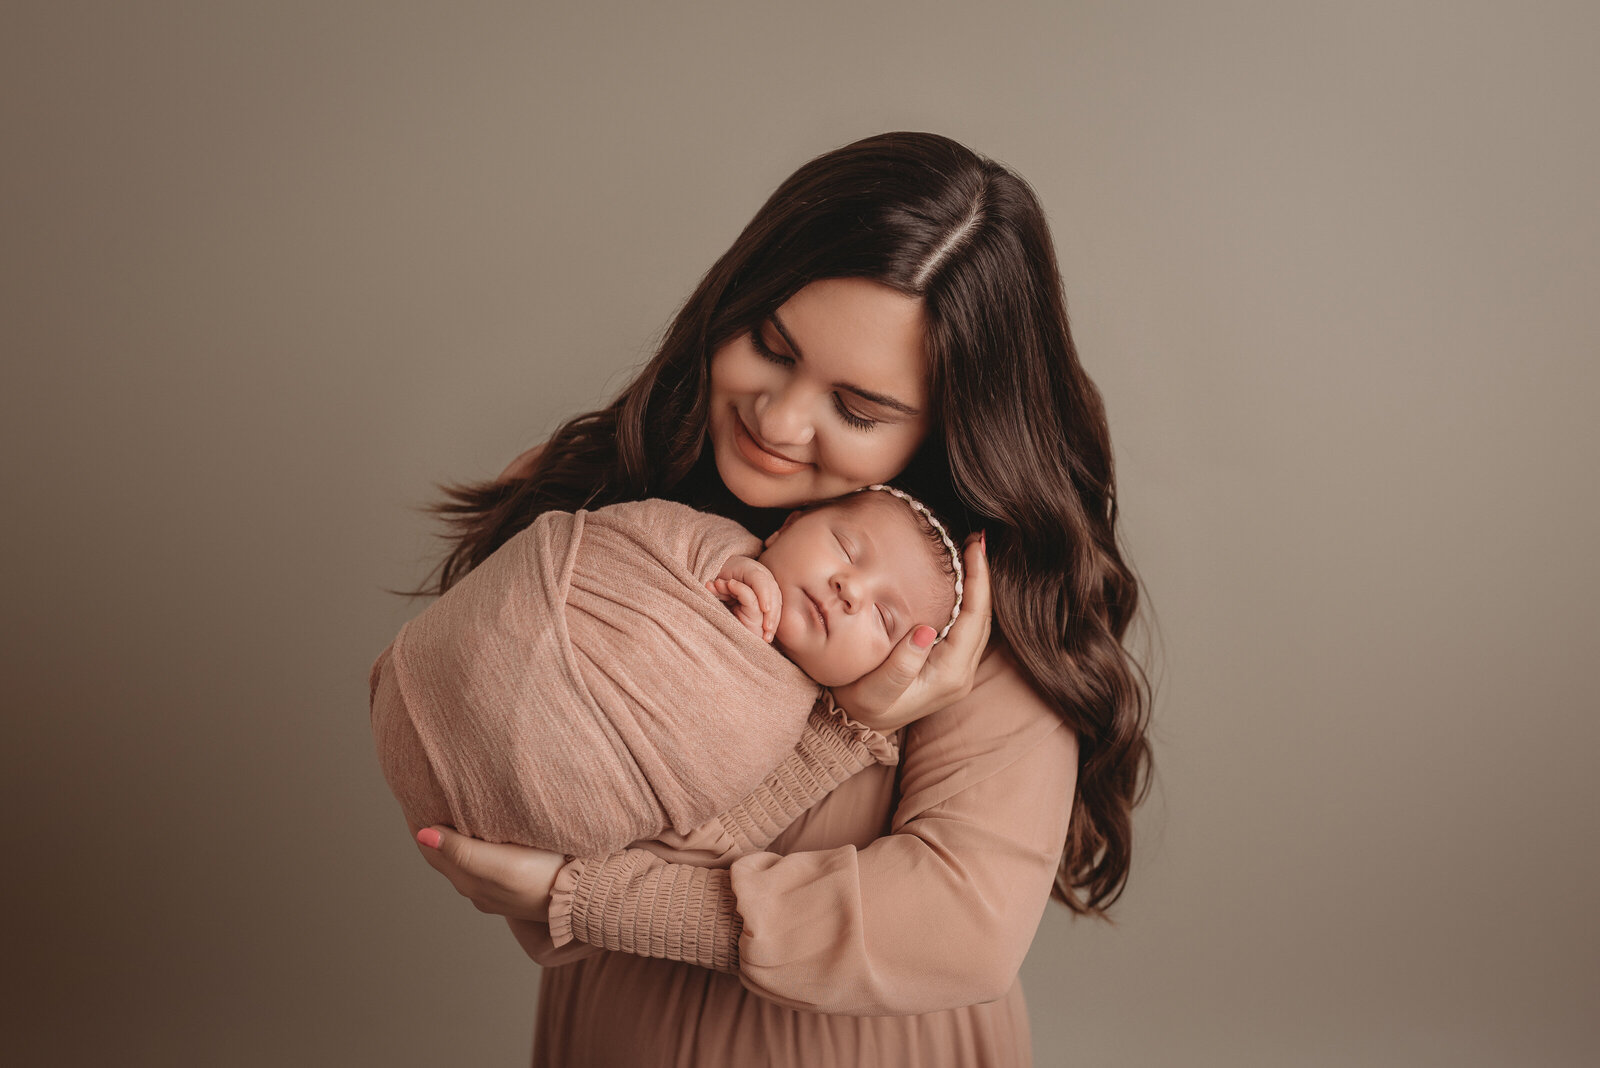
(884, 926)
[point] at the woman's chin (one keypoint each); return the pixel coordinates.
(761, 490)
(757, 488)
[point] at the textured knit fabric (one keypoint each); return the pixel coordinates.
(636, 904)
(885, 926)
(581, 690)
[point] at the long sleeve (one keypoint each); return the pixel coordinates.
(939, 912)
(637, 902)
(832, 748)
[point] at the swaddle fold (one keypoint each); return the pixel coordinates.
(580, 690)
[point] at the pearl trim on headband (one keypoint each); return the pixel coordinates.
(944, 536)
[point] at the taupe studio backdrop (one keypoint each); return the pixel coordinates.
(270, 271)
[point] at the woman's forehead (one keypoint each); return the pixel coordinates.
(862, 332)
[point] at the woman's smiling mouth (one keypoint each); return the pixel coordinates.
(758, 455)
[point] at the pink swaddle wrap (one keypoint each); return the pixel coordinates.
(580, 690)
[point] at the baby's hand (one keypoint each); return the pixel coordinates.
(752, 593)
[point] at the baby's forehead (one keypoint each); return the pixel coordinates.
(878, 510)
(924, 565)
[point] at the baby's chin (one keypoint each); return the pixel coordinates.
(812, 664)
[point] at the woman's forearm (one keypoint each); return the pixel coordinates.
(940, 912)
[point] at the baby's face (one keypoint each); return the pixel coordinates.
(855, 578)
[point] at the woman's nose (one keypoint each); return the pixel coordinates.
(783, 417)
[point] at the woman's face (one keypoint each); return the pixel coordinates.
(830, 394)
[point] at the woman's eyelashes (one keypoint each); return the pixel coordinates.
(767, 351)
(860, 422)
(772, 355)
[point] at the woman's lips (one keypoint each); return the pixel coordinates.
(759, 455)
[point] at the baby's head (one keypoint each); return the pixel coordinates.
(857, 573)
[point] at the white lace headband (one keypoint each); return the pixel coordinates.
(944, 536)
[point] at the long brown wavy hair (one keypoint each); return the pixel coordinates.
(1020, 446)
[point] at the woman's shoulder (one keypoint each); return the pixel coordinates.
(1001, 679)
(522, 466)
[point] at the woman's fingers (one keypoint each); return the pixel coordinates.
(955, 661)
(975, 594)
(880, 698)
(444, 850)
(500, 878)
(906, 662)
(920, 677)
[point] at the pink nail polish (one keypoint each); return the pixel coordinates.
(430, 837)
(923, 636)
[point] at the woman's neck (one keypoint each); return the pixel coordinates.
(703, 488)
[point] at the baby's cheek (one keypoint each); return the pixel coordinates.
(873, 654)
(784, 636)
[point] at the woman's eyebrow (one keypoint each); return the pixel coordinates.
(865, 394)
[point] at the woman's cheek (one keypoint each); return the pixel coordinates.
(864, 461)
(744, 370)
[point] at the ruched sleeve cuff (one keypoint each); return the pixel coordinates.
(560, 918)
(831, 749)
(634, 902)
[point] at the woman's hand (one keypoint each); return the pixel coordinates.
(919, 679)
(505, 880)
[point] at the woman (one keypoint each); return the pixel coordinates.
(894, 311)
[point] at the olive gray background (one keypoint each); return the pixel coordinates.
(268, 272)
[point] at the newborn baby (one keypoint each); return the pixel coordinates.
(584, 689)
(840, 583)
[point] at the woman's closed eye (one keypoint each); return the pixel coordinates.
(851, 417)
(767, 351)
(860, 422)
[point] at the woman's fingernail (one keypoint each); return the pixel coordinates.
(430, 837)
(983, 541)
(923, 636)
